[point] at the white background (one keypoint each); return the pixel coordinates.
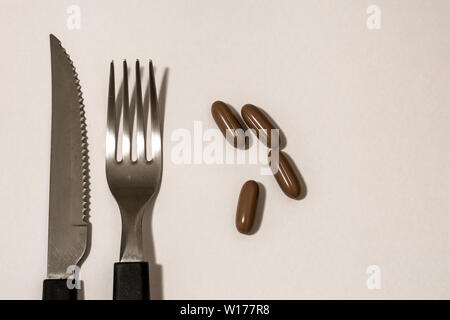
(366, 114)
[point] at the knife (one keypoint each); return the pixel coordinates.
(69, 181)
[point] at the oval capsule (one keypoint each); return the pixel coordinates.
(247, 205)
(285, 175)
(228, 124)
(257, 120)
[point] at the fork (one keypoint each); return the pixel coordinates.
(133, 182)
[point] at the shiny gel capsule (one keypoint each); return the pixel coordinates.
(260, 123)
(228, 124)
(247, 205)
(285, 176)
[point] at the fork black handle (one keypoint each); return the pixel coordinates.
(131, 281)
(56, 289)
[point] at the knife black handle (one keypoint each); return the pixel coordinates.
(131, 281)
(56, 289)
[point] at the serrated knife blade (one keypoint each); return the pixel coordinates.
(69, 179)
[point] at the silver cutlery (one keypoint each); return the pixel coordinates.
(133, 182)
(69, 180)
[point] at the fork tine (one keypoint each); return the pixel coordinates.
(111, 133)
(126, 140)
(140, 127)
(154, 114)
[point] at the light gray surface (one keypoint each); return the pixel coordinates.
(366, 114)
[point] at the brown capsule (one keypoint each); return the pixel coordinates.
(228, 123)
(285, 176)
(257, 120)
(246, 208)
